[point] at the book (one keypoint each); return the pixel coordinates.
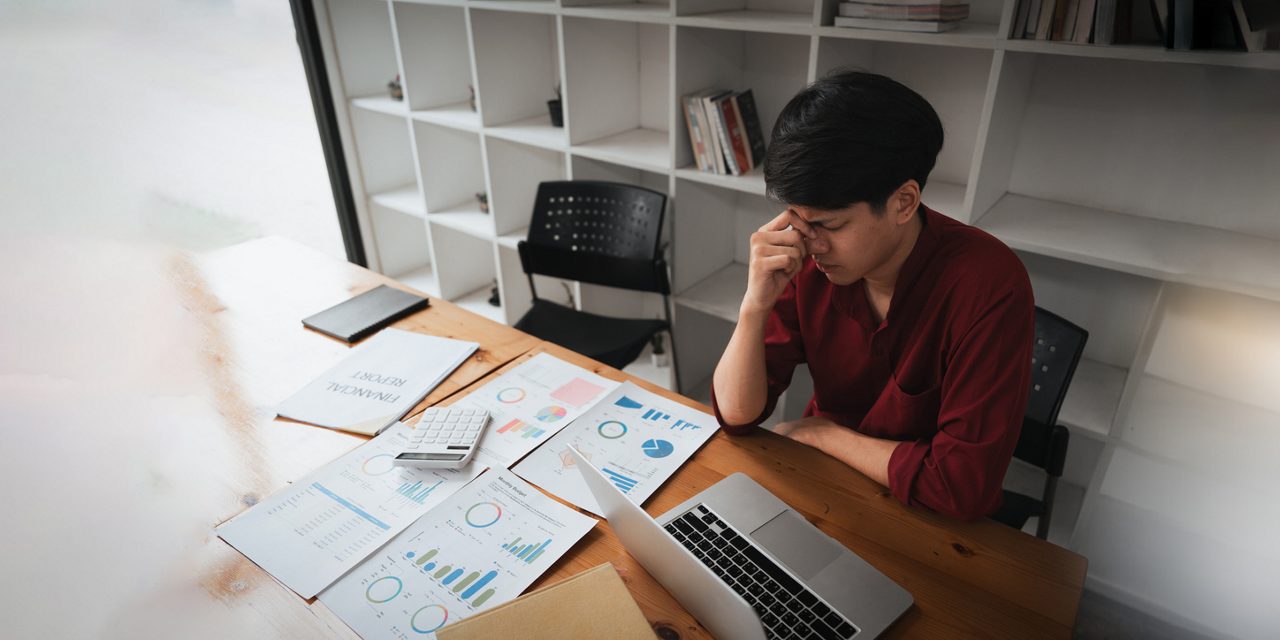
(922, 11)
(379, 382)
(724, 152)
(695, 133)
(1254, 40)
(746, 103)
(353, 319)
(1160, 13)
(1020, 19)
(1043, 27)
(1069, 26)
(717, 145)
(734, 133)
(592, 604)
(1060, 9)
(1084, 22)
(699, 115)
(895, 25)
(1033, 19)
(1104, 22)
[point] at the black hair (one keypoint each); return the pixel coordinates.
(851, 137)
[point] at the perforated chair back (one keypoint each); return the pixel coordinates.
(1057, 351)
(598, 232)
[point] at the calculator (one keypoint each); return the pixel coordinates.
(444, 438)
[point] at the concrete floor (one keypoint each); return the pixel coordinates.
(186, 123)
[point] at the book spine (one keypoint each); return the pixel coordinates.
(909, 12)
(1033, 19)
(751, 121)
(726, 138)
(1020, 20)
(716, 144)
(695, 136)
(1084, 22)
(1043, 29)
(1069, 21)
(1059, 19)
(737, 137)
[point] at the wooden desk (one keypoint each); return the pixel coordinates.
(136, 391)
(978, 579)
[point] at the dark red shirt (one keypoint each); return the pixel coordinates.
(947, 372)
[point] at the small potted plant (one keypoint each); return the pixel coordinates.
(483, 199)
(395, 89)
(659, 354)
(556, 109)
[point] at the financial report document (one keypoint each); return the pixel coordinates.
(310, 533)
(530, 403)
(636, 438)
(481, 547)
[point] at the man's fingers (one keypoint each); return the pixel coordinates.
(786, 238)
(779, 223)
(800, 225)
(777, 263)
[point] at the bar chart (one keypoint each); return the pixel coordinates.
(518, 427)
(527, 552)
(417, 491)
(623, 482)
(468, 588)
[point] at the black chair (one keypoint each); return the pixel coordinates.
(600, 233)
(1043, 442)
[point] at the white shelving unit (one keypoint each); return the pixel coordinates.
(1135, 183)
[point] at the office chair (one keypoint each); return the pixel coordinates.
(1043, 442)
(601, 233)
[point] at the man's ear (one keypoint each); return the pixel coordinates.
(904, 202)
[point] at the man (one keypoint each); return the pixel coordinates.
(917, 329)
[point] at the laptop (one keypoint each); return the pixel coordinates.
(748, 566)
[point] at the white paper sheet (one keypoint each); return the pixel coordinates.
(530, 403)
(484, 546)
(636, 438)
(312, 532)
(378, 383)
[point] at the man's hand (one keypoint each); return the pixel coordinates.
(806, 430)
(777, 253)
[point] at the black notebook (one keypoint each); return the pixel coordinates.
(362, 315)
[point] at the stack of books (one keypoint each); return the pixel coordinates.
(724, 131)
(1064, 20)
(931, 16)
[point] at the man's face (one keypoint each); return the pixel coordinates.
(851, 242)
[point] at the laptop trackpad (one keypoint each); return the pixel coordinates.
(800, 545)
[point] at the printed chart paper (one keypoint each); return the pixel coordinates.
(530, 403)
(483, 546)
(636, 438)
(378, 383)
(312, 532)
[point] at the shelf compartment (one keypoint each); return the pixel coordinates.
(517, 64)
(775, 67)
(515, 170)
(435, 52)
(478, 302)
(719, 294)
(365, 47)
(381, 104)
(406, 199)
(536, 131)
(467, 261)
(1171, 251)
(422, 278)
(1185, 144)
(617, 93)
(383, 149)
(455, 116)
(401, 239)
(639, 148)
(467, 218)
(451, 166)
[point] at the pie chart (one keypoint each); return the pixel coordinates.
(657, 448)
(551, 413)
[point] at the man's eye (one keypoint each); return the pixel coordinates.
(832, 227)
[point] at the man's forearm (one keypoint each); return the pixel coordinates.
(740, 382)
(862, 452)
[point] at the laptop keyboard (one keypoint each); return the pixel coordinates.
(787, 608)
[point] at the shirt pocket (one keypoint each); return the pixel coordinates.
(901, 415)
